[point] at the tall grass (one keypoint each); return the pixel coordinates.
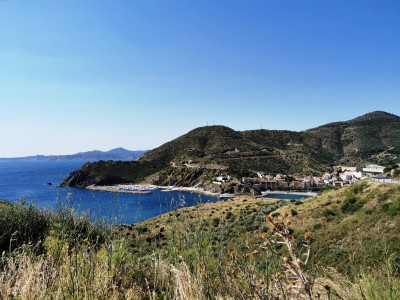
(65, 255)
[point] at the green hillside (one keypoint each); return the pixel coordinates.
(372, 138)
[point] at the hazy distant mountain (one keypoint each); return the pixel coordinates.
(374, 137)
(90, 156)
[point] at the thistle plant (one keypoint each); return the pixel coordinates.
(295, 281)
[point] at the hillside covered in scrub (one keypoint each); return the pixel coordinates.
(341, 244)
(196, 157)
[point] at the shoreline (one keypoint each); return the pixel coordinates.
(311, 194)
(189, 189)
(148, 188)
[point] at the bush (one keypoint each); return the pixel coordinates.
(353, 203)
(21, 223)
(215, 222)
(230, 215)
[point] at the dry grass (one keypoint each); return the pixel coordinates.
(85, 274)
(197, 258)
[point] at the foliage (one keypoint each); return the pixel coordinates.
(373, 137)
(233, 249)
(21, 223)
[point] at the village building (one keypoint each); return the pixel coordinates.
(373, 170)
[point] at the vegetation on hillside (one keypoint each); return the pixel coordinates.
(370, 138)
(244, 248)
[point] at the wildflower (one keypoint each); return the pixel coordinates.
(307, 236)
(273, 228)
(268, 218)
(285, 214)
(292, 282)
(285, 259)
(265, 244)
(264, 235)
(288, 222)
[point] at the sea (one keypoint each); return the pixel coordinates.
(38, 182)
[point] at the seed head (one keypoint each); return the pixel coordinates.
(268, 218)
(264, 235)
(265, 244)
(307, 236)
(285, 214)
(285, 259)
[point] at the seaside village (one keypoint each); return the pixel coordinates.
(339, 176)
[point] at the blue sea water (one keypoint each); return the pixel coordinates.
(30, 179)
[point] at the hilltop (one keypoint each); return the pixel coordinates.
(198, 156)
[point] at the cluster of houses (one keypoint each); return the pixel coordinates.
(339, 176)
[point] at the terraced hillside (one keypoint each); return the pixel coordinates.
(205, 151)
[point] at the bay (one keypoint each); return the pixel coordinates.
(29, 179)
(38, 182)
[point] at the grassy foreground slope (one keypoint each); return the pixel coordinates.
(223, 250)
(349, 226)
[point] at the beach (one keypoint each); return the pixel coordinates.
(147, 189)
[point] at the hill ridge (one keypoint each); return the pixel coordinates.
(197, 156)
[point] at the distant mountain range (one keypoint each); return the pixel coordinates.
(194, 158)
(90, 156)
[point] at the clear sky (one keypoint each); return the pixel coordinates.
(81, 75)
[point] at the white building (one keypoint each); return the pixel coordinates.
(371, 170)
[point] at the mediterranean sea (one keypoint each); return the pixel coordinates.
(38, 182)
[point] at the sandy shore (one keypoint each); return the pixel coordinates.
(289, 193)
(188, 189)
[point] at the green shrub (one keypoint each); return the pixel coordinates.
(215, 222)
(230, 215)
(352, 203)
(21, 223)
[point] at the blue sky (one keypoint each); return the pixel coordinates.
(82, 75)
